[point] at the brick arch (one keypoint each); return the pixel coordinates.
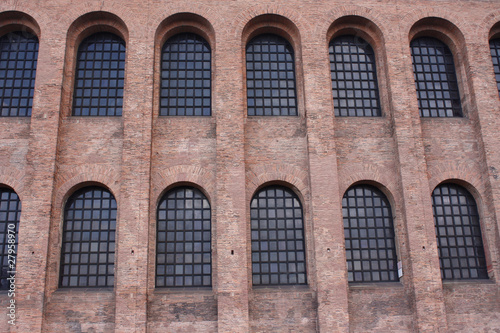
(93, 22)
(412, 18)
(448, 171)
(108, 177)
(13, 179)
(295, 20)
(370, 16)
(283, 173)
(214, 19)
(164, 179)
(489, 26)
(16, 20)
(370, 173)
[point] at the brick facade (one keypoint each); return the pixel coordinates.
(229, 156)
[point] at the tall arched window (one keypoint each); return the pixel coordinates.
(435, 78)
(354, 77)
(10, 213)
(185, 76)
(99, 76)
(183, 239)
(88, 243)
(495, 57)
(369, 235)
(460, 244)
(271, 88)
(277, 230)
(18, 58)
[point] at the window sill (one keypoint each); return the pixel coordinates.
(374, 285)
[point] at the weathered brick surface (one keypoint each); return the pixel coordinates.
(229, 156)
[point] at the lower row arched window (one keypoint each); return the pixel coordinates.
(10, 212)
(369, 235)
(88, 244)
(183, 245)
(277, 233)
(183, 239)
(460, 245)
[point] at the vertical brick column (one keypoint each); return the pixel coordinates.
(484, 95)
(230, 203)
(424, 275)
(36, 204)
(329, 252)
(133, 204)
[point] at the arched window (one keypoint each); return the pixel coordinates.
(88, 246)
(354, 77)
(460, 245)
(495, 57)
(18, 58)
(183, 239)
(271, 89)
(10, 213)
(99, 76)
(369, 235)
(435, 78)
(185, 76)
(277, 229)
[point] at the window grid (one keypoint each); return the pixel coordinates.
(277, 231)
(460, 245)
(99, 77)
(369, 235)
(183, 243)
(354, 77)
(10, 213)
(18, 60)
(495, 58)
(435, 78)
(271, 89)
(186, 76)
(88, 247)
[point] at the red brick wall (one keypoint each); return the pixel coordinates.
(229, 156)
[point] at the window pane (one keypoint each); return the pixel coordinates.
(88, 249)
(185, 76)
(369, 235)
(460, 245)
(277, 237)
(495, 57)
(270, 77)
(183, 241)
(354, 77)
(18, 59)
(435, 78)
(99, 77)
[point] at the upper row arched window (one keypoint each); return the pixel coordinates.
(185, 84)
(270, 69)
(99, 76)
(354, 77)
(18, 59)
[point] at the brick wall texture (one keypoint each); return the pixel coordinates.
(230, 155)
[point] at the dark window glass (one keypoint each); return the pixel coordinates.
(460, 245)
(99, 77)
(495, 57)
(185, 76)
(183, 239)
(369, 235)
(271, 87)
(18, 58)
(354, 77)
(10, 212)
(277, 231)
(435, 78)
(88, 246)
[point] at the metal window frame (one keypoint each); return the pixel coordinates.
(458, 233)
(10, 213)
